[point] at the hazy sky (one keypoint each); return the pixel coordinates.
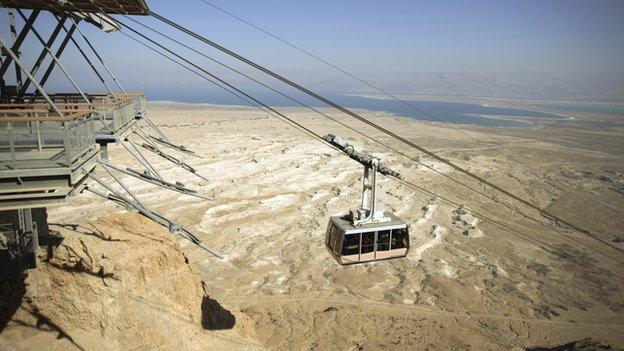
(415, 46)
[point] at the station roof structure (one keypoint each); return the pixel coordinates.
(129, 7)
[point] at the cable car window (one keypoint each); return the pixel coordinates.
(351, 245)
(368, 242)
(399, 238)
(383, 240)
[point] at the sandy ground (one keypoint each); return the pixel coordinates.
(515, 283)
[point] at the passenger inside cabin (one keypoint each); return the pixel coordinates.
(351, 245)
(383, 240)
(399, 238)
(368, 242)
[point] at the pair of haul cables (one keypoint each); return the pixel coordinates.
(395, 136)
(239, 93)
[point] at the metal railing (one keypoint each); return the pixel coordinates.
(114, 113)
(37, 138)
(116, 117)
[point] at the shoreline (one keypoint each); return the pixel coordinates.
(527, 121)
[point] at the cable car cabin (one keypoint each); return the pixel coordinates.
(366, 234)
(368, 242)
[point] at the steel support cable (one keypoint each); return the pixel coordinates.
(123, 186)
(84, 55)
(144, 136)
(136, 203)
(323, 114)
(173, 160)
(153, 125)
(139, 157)
(301, 103)
(230, 68)
(111, 197)
(246, 76)
(319, 112)
(21, 66)
(178, 187)
(186, 67)
(332, 104)
(42, 55)
(171, 52)
(173, 227)
(251, 103)
(223, 65)
(97, 55)
(506, 226)
(144, 162)
(326, 62)
(18, 41)
(110, 73)
(392, 96)
(339, 69)
(341, 123)
(179, 148)
(320, 137)
(55, 59)
(316, 135)
(235, 91)
(235, 94)
(543, 212)
(313, 134)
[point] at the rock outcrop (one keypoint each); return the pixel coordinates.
(119, 283)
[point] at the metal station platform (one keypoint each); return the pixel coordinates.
(43, 157)
(51, 143)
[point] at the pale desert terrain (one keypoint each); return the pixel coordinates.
(509, 284)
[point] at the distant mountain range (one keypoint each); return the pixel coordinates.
(513, 85)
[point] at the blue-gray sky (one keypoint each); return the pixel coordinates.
(523, 48)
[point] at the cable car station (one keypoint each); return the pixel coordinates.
(52, 143)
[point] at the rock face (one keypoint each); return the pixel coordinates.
(118, 283)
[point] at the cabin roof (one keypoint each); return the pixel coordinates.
(344, 224)
(129, 7)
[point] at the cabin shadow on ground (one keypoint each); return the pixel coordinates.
(587, 344)
(214, 316)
